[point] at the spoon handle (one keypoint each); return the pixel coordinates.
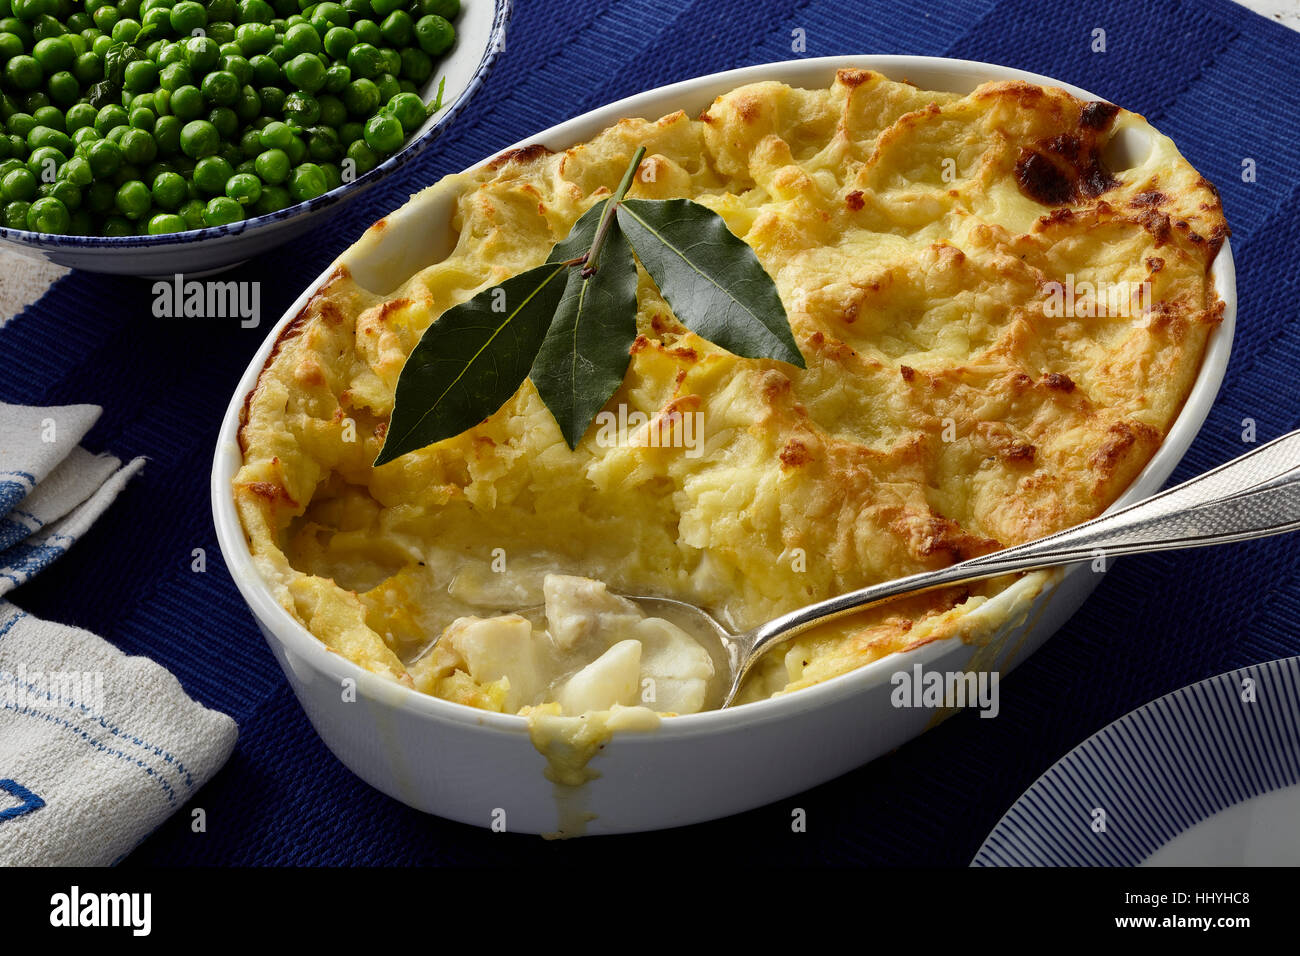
(1253, 496)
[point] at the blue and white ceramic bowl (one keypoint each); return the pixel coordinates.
(1206, 776)
(480, 37)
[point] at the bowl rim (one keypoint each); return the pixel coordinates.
(342, 193)
(297, 642)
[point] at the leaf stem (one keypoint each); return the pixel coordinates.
(607, 219)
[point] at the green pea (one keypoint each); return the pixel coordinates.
(109, 117)
(140, 76)
(266, 72)
(221, 33)
(244, 188)
(332, 111)
(138, 146)
(383, 8)
(359, 9)
(187, 102)
(223, 210)
(105, 18)
(88, 69)
(301, 109)
(350, 132)
(254, 38)
(166, 222)
(323, 145)
(20, 184)
(19, 29)
(409, 110)
(388, 87)
(11, 45)
(20, 124)
(22, 72)
(236, 64)
(199, 138)
(64, 88)
(279, 53)
(44, 162)
(297, 151)
(65, 192)
(391, 60)
(435, 34)
(225, 121)
(274, 198)
(143, 118)
(220, 88)
(338, 40)
(337, 78)
(169, 191)
(361, 98)
(362, 159)
(302, 38)
(275, 135)
(249, 105)
(255, 11)
(306, 72)
(133, 199)
(45, 136)
(15, 215)
(328, 14)
(54, 54)
(416, 66)
(367, 31)
(188, 16)
(250, 143)
(384, 133)
(117, 226)
(48, 215)
(272, 100)
(202, 54)
(50, 116)
(105, 158)
(272, 167)
(447, 9)
(176, 75)
(333, 177)
(35, 100)
(126, 30)
(99, 198)
(211, 173)
(397, 28)
(77, 171)
(192, 213)
(171, 53)
(222, 10)
(156, 20)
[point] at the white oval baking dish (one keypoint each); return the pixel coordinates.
(479, 767)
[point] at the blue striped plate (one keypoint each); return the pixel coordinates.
(1201, 776)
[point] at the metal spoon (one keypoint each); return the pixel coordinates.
(1253, 496)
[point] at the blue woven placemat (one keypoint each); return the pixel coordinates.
(1223, 82)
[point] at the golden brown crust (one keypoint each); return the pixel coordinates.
(956, 398)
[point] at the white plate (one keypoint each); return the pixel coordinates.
(467, 764)
(1206, 776)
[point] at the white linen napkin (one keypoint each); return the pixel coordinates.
(51, 489)
(96, 748)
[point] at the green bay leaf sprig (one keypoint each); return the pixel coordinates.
(570, 323)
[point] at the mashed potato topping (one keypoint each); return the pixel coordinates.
(1000, 325)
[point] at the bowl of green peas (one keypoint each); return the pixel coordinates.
(156, 137)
